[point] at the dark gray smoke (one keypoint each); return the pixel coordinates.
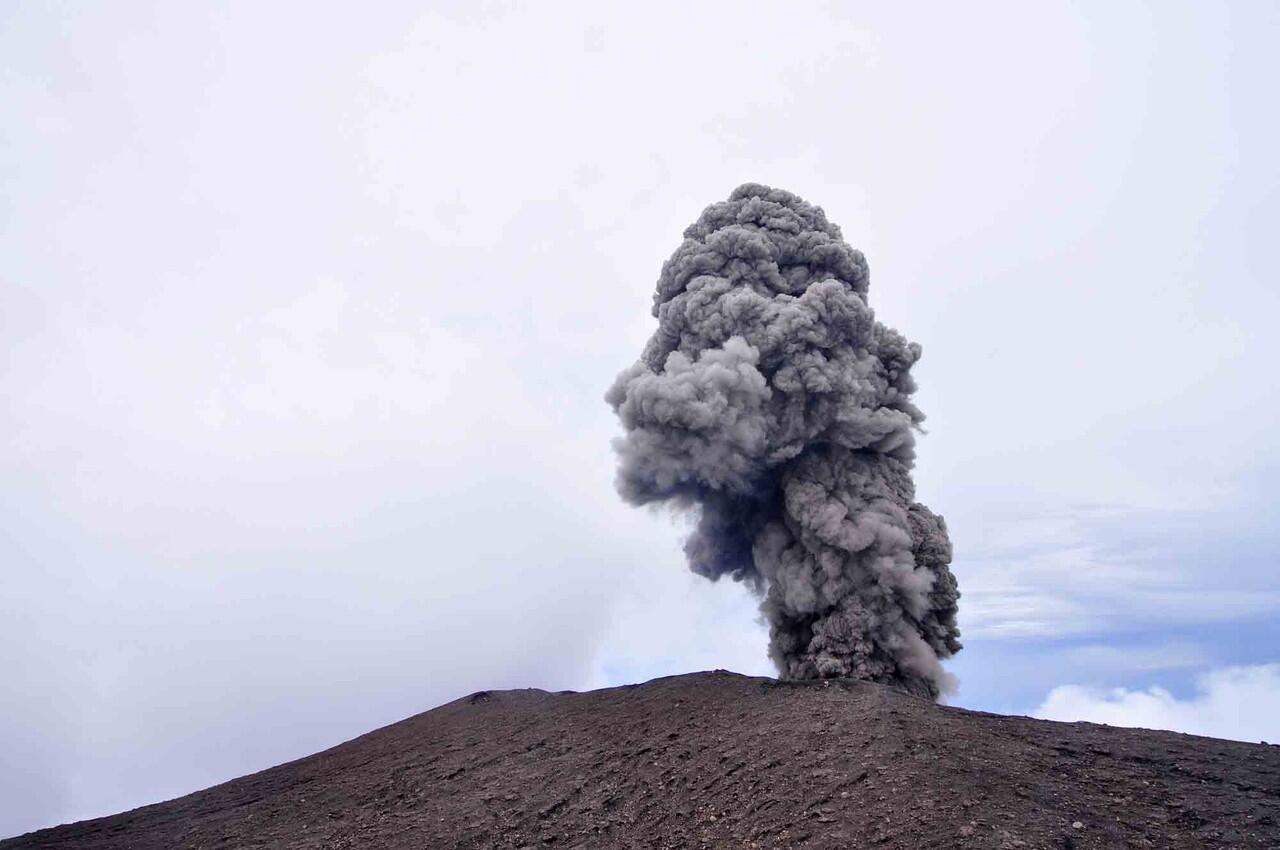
(773, 403)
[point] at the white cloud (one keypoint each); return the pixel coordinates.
(687, 622)
(1053, 571)
(1241, 703)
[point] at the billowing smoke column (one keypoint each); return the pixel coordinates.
(773, 403)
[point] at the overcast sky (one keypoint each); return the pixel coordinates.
(307, 317)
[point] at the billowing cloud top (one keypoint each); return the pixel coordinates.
(773, 403)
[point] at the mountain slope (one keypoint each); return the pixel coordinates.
(722, 760)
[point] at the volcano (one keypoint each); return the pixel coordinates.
(722, 760)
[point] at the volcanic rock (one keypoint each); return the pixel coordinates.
(722, 760)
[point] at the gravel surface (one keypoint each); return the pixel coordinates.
(722, 760)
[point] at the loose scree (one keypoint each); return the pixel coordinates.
(773, 404)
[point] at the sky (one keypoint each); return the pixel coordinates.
(307, 315)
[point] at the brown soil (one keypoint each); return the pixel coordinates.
(722, 760)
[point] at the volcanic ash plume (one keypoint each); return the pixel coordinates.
(772, 403)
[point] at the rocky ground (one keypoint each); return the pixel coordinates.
(722, 760)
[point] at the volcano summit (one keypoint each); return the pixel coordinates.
(722, 760)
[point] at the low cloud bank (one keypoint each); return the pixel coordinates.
(1241, 703)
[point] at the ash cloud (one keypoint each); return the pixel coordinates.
(772, 403)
